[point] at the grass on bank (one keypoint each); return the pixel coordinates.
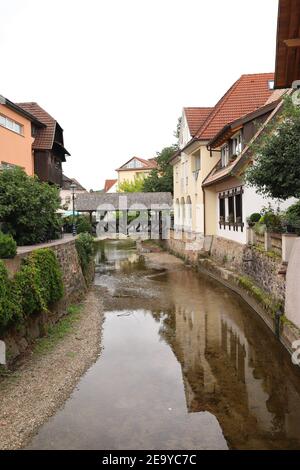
(58, 331)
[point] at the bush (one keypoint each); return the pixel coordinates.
(292, 217)
(28, 208)
(10, 310)
(39, 281)
(255, 217)
(85, 249)
(270, 221)
(29, 285)
(83, 225)
(8, 246)
(81, 221)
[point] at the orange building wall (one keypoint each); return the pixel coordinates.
(14, 148)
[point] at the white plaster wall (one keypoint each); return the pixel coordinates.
(113, 189)
(292, 304)
(252, 202)
(184, 135)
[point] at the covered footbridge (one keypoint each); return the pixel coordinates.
(128, 213)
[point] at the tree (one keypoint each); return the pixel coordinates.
(135, 186)
(161, 178)
(28, 208)
(276, 169)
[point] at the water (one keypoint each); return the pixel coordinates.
(185, 365)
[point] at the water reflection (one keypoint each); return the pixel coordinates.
(231, 365)
(185, 365)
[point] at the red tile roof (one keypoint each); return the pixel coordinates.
(149, 164)
(218, 174)
(109, 184)
(195, 118)
(45, 137)
(246, 95)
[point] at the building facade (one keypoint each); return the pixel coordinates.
(66, 192)
(135, 168)
(32, 140)
(194, 160)
(48, 146)
(16, 137)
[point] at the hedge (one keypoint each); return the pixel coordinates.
(85, 249)
(34, 288)
(8, 246)
(10, 309)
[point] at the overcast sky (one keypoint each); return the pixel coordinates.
(116, 73)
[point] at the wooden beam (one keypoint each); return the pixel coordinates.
(292, 42)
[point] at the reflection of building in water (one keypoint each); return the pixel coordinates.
(232, 367)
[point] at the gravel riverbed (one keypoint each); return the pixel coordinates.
(42, 382)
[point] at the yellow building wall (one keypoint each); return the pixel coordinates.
(210, 211)
(130, 175)
(185, 183)
(16, 149)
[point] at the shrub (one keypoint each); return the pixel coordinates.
(292, 218)
(270, 221)
(10, 310)
(83, 225)
(39, 281)
(85, 249)
(255, 217)
(28, 208)
(30, 288)
(81, 221)
(46, 262)
(8, 246)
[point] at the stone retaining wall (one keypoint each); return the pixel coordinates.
(19, 338)
(246, 260)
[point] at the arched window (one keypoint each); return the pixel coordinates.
(177, 213)
(182, 212)
(188, 212)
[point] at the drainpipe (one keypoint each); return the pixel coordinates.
(204, 212)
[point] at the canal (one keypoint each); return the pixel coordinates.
(185, 364)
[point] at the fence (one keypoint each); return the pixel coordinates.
(280, 244)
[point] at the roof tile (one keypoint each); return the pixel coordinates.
(246, 95)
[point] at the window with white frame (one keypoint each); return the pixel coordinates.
(237, 144)
(134, 164)
(225, 155)
(197, 164)
(11, 124)
(231, 209)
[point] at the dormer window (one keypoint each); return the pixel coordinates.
(236, 144)
(225, 155)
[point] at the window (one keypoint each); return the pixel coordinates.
(197, 165)
(237, 144)
(134, 164)
(238, 209)
(231, 209)
(222, 209)
(271, 84)
(33, 130)
(11, 125)
(225, 155)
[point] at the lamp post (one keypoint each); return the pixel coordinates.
(73, 188)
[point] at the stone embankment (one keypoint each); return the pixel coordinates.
(258, 277)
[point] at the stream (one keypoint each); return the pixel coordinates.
(185, 364)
